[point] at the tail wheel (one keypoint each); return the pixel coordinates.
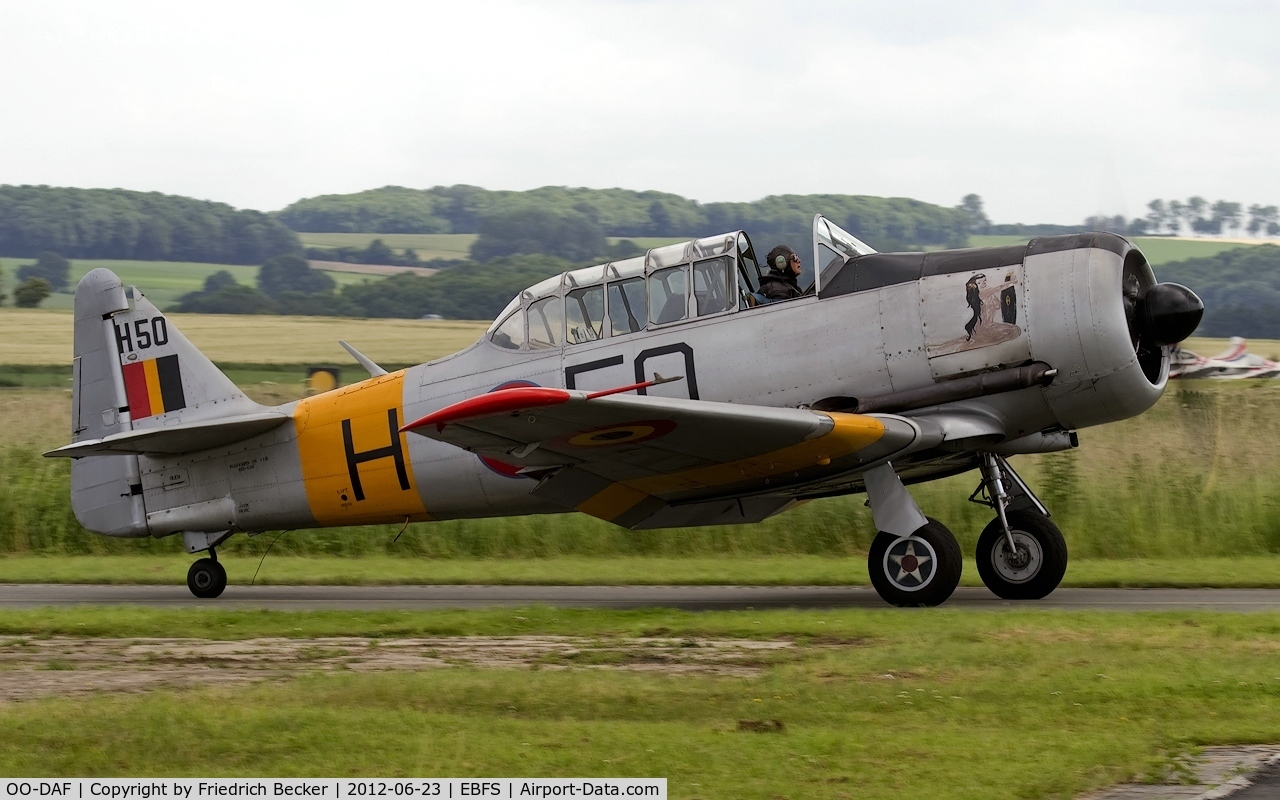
(921, 569)
(206, 579)
(1035, 569)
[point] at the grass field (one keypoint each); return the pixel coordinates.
(863, 704)
(41, 336)
(440, 245)
(163, 282)
(1207, 346)
(426, 245)
(1158, 249)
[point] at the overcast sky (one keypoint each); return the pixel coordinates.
(1050, 111)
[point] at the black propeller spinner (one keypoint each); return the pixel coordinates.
(1169, 312)
(1158, 316)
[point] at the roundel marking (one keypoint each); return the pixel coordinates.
(630, 433)
(494, 465)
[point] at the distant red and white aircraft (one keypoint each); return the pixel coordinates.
(1233, 363)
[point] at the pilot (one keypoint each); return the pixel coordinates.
(780, 283)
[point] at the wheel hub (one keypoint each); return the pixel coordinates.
(1017, 560)
(203, 579)
(910, 563)
(1020, 565)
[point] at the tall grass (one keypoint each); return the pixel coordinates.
(1196, 476)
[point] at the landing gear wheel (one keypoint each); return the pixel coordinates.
(206, 579)
(921, 569)
(1035, 569)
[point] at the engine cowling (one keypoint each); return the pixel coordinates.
(1104, 321)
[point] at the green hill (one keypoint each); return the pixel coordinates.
(886, 223)
(121, 224)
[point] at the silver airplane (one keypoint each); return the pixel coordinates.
(657, 392)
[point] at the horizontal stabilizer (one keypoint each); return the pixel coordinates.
(188, 437)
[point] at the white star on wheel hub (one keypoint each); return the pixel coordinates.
(909, 563)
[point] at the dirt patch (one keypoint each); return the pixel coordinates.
(32, 667)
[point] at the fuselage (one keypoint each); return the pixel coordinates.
(343, 461)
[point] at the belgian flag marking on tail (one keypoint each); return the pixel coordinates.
(153, 386)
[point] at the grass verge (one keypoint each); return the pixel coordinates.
(939, 703)
(780, 570)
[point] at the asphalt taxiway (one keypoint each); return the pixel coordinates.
(693, 598)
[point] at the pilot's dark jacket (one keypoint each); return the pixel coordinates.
(776, 285)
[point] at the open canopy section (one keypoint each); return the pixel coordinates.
(832, 247)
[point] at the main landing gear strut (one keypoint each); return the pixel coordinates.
(915, 561)
(207, 578)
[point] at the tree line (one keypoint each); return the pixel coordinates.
(122, 224)
(885, 223)
(1196, 216)
(1240, 288)
(116, 223)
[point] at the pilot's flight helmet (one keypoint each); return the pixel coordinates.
(780, 256)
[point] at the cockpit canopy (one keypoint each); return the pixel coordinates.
(668, 285)
(700, 278)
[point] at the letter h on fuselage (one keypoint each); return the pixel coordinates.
(394, 451)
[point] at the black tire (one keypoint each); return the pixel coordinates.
(901, 587)
(206, 579)
(1046, 553)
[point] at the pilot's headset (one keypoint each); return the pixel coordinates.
(780, 256)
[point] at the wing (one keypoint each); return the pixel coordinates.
(643, 461)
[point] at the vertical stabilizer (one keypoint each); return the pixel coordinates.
(133, 370)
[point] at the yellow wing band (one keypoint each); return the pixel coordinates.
(849, 434)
